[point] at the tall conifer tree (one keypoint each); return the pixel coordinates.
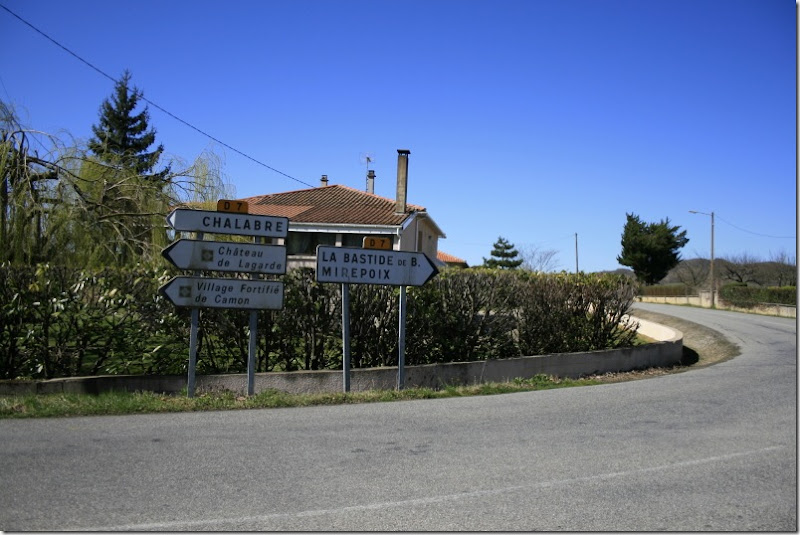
(128, 197)
(124, 137)
(651, 249)
(504, 255)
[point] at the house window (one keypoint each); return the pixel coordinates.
(305, 243)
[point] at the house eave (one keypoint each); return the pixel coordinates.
(345, 228)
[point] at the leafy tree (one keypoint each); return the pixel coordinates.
(32, 192)
(123, 137)
(650, 249)
(504, 256)
(60, 205)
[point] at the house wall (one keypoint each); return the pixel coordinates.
(420, 236)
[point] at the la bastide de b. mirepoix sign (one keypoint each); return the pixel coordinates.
(355, 265)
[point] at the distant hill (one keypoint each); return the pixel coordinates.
(695, 272)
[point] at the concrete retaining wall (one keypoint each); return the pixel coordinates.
(666, 352)
(704, 300)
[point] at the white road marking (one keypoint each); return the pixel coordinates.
(211, 522)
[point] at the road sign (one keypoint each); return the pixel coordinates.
(203, 292)
(225, 205)
(376, 242)
(355, 265)
(227, 256)
(228, 223)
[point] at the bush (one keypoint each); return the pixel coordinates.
(61, 322)
(741, 295)
(667, 290)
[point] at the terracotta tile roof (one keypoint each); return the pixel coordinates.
(330, 204)
(449, 259)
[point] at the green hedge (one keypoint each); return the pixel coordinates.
(744, 296)
(59, 322)
(667, 290)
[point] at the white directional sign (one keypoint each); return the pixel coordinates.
(373, 266)
(228, 223)
(204, 292)
(227, 256)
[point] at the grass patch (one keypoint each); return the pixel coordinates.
(118, 403)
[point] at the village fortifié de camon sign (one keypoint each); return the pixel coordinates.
(209, 292)
(227, 256)
(215, 222)
(355, 265)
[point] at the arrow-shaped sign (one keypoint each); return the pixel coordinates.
(227, 256)
(228, 223)
(373, 266)
(224, 293)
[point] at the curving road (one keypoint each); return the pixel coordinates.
(710, 449)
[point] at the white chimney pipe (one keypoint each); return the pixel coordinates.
(323, 181)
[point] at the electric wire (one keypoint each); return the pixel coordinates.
(755, 233)
(150, 102)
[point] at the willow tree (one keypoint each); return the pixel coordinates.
(30, 193)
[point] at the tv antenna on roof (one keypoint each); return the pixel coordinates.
(366, 158)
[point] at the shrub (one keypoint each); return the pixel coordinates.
(741, 295)
(667, 290)
(61, 322)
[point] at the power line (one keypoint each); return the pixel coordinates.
(101, 72)
(756, 233)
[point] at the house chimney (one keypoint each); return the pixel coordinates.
(402, 180)
(323, 181)
(370, 181)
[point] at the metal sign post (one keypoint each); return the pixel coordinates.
(252, 346)
(193, 331)
(190, 382)
(346, 336)
(401, 342)
(354, 265)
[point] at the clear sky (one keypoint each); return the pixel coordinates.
(534, 120)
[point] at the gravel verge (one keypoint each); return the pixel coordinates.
(701, 347)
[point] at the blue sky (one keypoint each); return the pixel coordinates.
(533, 120)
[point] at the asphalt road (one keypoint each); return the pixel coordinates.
(709, 449)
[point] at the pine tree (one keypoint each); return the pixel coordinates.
(123, 137)
(504, 256)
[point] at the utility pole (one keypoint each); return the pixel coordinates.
(713, 280)
(576, 252)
